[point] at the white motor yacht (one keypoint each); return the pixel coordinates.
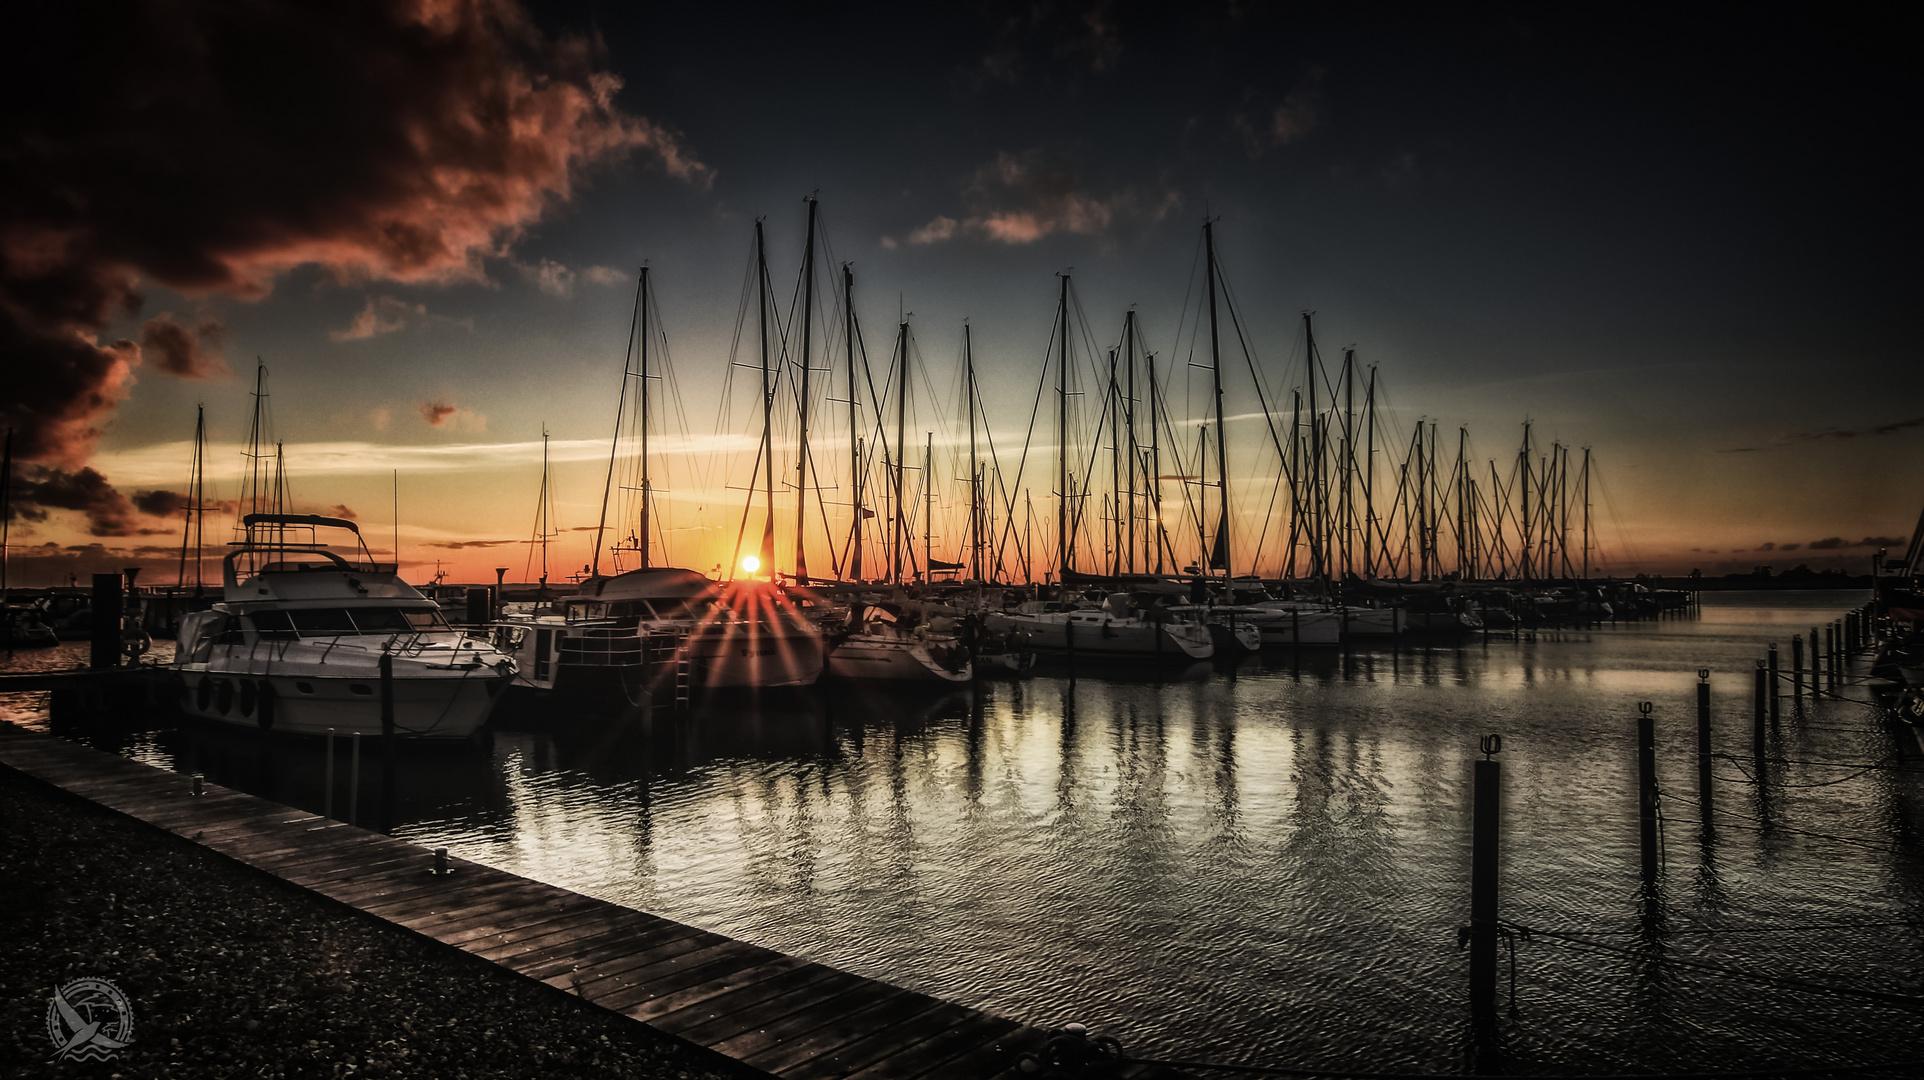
(298, 641)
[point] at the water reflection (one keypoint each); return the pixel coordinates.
(1269, 868)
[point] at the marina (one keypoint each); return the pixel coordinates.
(1259, 864)
(999, 541)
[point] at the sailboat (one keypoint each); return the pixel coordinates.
(641, 627)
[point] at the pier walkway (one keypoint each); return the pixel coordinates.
(776, 1013)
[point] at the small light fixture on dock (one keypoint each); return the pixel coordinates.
(441, 867)
(199, 780)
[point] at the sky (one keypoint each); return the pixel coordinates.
(1683, 241)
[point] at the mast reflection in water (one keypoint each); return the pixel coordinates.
(1269, 865)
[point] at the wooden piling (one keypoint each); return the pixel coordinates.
(104, 621)
(1647, 790)
(327, 779)
(1757, 724)
(1775, 677)
(1796, 666)
(386, 665)
(1483, 884)
(1703, 743)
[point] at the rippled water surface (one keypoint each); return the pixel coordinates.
(1263, 865)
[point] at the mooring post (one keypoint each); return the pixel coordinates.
(1483, 880)
(1703, 742)
(104, 621)
(354, 777)
(1647, 790)
(1757, 721)
(386, 663)
(1775, 682)
(327, 781)
(1796, 666)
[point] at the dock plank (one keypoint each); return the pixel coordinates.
(812, 1017)
(904, 1040)
(780, 1014)
(882, 1016)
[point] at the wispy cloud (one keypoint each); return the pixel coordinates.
(382, 315)
(1019, 198)
(1267, 126)
(1830, 434)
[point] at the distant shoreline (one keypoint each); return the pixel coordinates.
(1746, 583)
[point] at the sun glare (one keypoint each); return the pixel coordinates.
(751, 564)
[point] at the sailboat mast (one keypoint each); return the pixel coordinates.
(1369, 476)
(854, 424)
(901, 456)
(621, 406)
(1065, 544)
(975, 468)
(1586, 513)
(801, 449)
(1129, 421)
(1346, 507)
(928, 510)
(1316, 567)
(1115, 471)
(1219, 553)
(646, 493)
(768, 406)
(195, 482)
(1155, 460)
(1523, 456)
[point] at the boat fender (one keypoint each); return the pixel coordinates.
(248, 694)
(224, 697)
(204, 693)
(135, 641)
(268, 700)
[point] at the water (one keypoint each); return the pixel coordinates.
(1264, 866)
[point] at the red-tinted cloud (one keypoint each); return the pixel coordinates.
(166, 504)
(209, 146)
(1021, 198)
(340, 511)
(436, 413)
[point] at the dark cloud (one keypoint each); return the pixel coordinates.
(209, 146)
(108, 512)
(186, 354)
(436, 413)
(1788, 547)
(1884, 541)
(1768, 547)
(1900, 425)
(342, 511)
(1827, 544)
(174, 503)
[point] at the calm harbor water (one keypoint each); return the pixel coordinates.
(1264, 865)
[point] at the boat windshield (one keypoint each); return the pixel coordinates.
(335, 622)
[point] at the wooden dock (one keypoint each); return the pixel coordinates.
(775, 1013)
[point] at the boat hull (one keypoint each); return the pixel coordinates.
(451, 706)
(866, 656)
(1108, 637)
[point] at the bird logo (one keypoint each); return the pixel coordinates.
(89, 1020)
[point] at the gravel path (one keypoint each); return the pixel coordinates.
(232, 973)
